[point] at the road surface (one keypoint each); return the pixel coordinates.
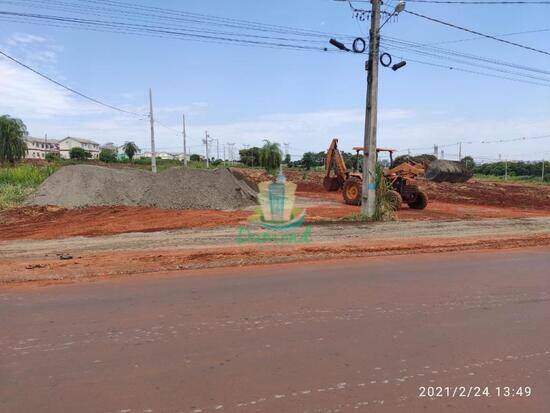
(338, 336)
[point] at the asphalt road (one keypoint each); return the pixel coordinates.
(355, 335)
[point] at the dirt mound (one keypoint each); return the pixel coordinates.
(177, 188)
(447, 171)
(306, 181)
(499, 194)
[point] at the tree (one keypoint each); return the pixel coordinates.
(107, 155)
(311, 159)
(250, 157)
(308, 160)
(12, 143)
(130, 149)
(195, 158)
(469, 162)
(287, 159)
(270, 156)
(79, 154)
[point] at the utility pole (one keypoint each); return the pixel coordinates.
(371, 116)
(543, 170)
(436, 151)
(206, 137)
(218, 148)
(506, 169)
(231, 152)
(459, 151)
(442, 154)
(153, 152)
(184, 143)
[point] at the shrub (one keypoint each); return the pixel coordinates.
(53, 157)
(107, 155)
(79, 154)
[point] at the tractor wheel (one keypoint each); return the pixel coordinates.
(352, 191)
(332, 183)
(420, 202)
(395, 200)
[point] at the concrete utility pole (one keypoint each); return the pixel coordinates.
(218, 148)
(153, 152)
(442, 154)
(459, 151)
(206, 143)
(368, 208)
(436, 151)
(184, 143)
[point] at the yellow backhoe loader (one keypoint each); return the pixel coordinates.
(400, 178)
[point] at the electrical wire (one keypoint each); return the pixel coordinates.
(473, 2)
(488, 36)
(477, 2)
(91, 99)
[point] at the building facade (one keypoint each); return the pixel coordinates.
(38, 148)
(65, 146)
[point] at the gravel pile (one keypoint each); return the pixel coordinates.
(79, 186)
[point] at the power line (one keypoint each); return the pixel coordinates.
(478, 33)
(69, 88)
(136, 12)
(162, 30)
(496, 35)
(474, 2)
(478, 2)
(459, 69)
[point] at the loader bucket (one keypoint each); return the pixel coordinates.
(447, 171)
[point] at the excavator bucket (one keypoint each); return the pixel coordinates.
(447, 171)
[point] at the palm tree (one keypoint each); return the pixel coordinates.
(270, 156)
(130, 149)
(12, 144)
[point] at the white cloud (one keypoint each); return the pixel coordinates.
(24, 38)
(47, 108)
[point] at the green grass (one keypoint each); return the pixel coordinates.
(17, 182)
(515, 179)
(25, 174)
(13, 194)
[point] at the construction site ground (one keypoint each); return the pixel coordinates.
(114, 241)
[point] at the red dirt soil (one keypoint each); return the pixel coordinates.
(473, 192)
(49, 270)
(471, 200)
(53, 222)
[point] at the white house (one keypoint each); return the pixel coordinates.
(38, 148)
(65, 146)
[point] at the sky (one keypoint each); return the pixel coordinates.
(244, 95)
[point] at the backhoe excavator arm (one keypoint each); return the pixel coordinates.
(334, 161)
